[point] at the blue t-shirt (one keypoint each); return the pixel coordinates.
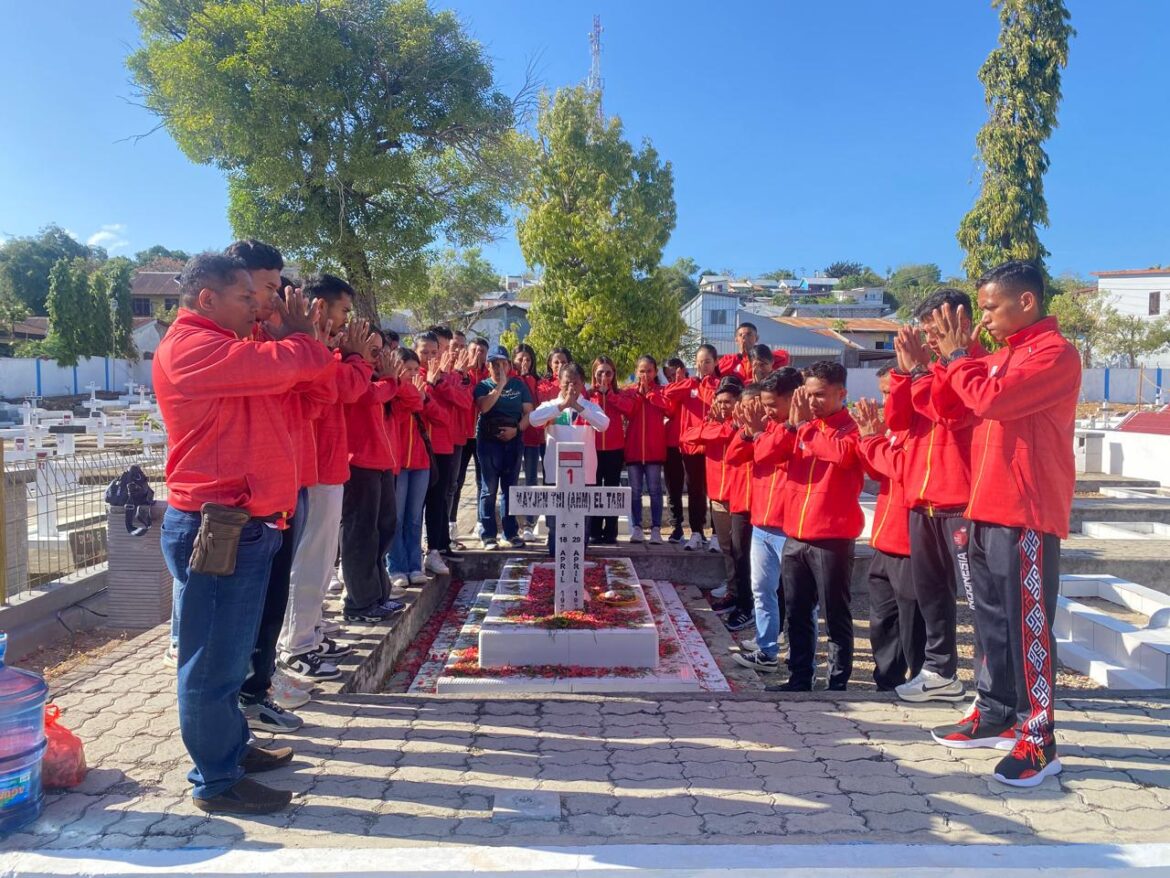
(507, 411)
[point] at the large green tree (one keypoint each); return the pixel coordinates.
(70, 310)
(910, 284)
(157, 252)
(596, 215)
(25, 264)
(354, 133)
(454, 281)
(120, 273)
(1021, 77)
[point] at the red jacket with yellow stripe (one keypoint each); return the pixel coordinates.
(824, 479)
(412, 451)
(1023, 473)
(646, 427)
(762, 462)
(370, 446)
(691, 399)
(712, 437)
(883, 457)
(617, 404)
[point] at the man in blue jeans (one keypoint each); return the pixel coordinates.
(221, 396)
(503, 402)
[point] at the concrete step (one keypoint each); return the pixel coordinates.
(1092, 509)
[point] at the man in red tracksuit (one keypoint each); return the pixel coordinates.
(938, 484)
(1021, 495)
(747, 336)
(220, 393)
(897, 632)
(822, 518)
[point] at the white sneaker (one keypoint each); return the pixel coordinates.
(419, 578)
(399, 580)
(436, 564)
(285, 695)
(527, 534)
(929, 686)
(713, 544)
(397, 591)
(328, 627)
(335, 585)
(694, 544)
(656, 535)
(289, 679)
(635, 535)
(720, 592)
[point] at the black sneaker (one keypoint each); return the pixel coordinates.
(676, 536)
(724, 604)
(258, 759)
(738, 620)
(265, 716)
(329, 648)
(972, 733)
(1028, 764)
(309, 666)
(757, 661)
(790, 685)
(246, 796)
(369, 616)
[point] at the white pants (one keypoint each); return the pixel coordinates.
(312, 567)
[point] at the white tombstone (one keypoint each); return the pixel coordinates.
(570, 501)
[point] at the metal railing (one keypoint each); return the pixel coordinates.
(53, 514)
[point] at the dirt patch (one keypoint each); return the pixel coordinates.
(1088, 409)
(56, 660)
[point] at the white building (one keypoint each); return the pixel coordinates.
(1137, 292)
(712, 318)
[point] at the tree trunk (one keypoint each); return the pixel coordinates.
(357, 272)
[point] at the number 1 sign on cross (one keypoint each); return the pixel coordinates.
(570, 501)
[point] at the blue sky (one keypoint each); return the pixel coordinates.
(800, 132)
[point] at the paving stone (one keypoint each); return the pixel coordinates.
(822, 824)
(731, 805)
(1156, 822)
(739, 825)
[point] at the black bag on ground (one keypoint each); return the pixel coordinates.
(132, 491)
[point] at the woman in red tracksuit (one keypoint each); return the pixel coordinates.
(646, 448)
(524, 365)
(414, 410)
(690, 399)
(617, 404)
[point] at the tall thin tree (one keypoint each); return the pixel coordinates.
(1022, 81)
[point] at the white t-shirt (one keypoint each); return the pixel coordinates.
(569, 426)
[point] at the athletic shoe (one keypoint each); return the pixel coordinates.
(749, 644)
(718, 592)
(757, 661)
(392, 606)
(418, 578)
(452, 530)
(264, 716)
(285, 695)
(331, 649)
(258, 759)
(656, 536)
(929, 686)
(328, 626)
(303, 685)
(489, 545)
(789, 685)
(737, 621)
(527, 535)
(505, 543)
(517, 542)
(724, 605)
(246, 796)
(713, 544)
(436, 564)
(370, 616)
(676, 536)
(635, 535)
(970, 733)
(335, 584)
(171, 656)
(695, 543)
(309, 666)
(399, 580)
(1028, 764)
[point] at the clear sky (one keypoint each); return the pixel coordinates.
(800, 132)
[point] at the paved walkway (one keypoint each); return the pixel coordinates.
(397, 770)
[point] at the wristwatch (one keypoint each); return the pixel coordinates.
(957, 354)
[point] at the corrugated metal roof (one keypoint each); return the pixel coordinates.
(851, 324)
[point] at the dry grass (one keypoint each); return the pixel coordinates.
(58, 659)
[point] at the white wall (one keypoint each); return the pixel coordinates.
(1131, 294)
(18, 376)
(1139, 455)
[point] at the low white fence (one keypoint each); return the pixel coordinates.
(21, 377)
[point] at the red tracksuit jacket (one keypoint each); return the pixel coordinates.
(533, 436)
(617, 405)
(351, 377)
(450, 391)
(646, 427)
(884, 458)
(1022, 468)
(741, 366)
(222, 400)
(713, 437)
(691, 398)
(824, 479)
(412, 451)
(370, 446)
(766, 456)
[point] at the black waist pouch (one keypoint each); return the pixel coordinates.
(218, 539)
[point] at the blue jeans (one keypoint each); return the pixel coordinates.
(767, 595)
(218, 619)
(531, 458)
(650, 475)
(410, 492)
(499, 468)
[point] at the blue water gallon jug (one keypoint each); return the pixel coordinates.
(22, 743)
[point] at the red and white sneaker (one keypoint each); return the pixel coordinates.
(1028, 764)
(970, 733)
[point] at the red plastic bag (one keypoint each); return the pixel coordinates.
(64, 762)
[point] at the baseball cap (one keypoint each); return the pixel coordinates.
(499, 352)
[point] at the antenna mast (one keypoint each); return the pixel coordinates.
(596, 84)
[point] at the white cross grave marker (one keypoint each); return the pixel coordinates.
(570, 501)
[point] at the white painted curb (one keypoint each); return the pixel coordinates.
(603, 861)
